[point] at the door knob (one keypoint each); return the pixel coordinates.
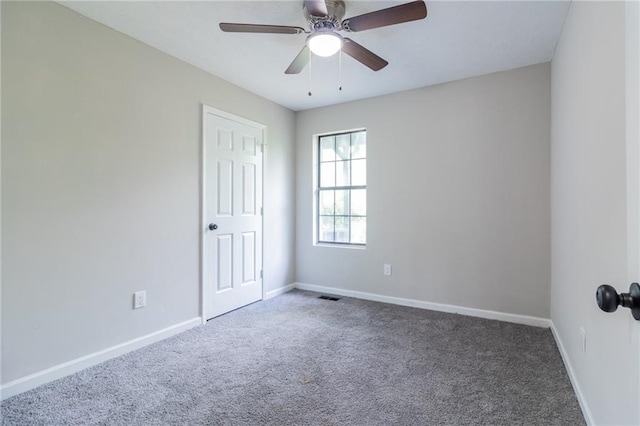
(213, 227)
(608, 299)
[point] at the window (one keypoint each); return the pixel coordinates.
(342, 188)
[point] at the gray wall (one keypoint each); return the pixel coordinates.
(458, 194)
(589, 208)
(101, 186)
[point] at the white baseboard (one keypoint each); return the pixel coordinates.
(586, 412)
(480, 313)
(34, 380)
(279, 291)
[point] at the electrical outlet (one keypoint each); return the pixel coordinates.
(387, 269)
(139, 299)
(583, 339)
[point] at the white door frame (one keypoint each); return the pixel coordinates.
(632, 88)
(203, 190)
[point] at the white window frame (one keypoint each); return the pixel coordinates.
(318, 189)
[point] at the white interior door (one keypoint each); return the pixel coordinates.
(232, 218)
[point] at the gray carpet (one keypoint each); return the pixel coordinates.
(300, 360)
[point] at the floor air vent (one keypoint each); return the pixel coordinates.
(333, 299)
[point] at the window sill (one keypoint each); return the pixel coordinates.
(342, 246)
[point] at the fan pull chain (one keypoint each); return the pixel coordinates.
(340, 71)
(310, 57)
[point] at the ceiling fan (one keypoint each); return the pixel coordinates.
(325, 20)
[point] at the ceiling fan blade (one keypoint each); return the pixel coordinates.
(299, 62)
(363, 55)
(381, 18)
(316, 7)
(256, 28)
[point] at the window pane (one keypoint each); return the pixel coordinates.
(342, 173)
(343, 146)
(359, 202)
(359, 230)
(327, 203)
(358, 145)
(359, 172)
(327, 148)
(342, 203)
(327, 174)
(342, 229)
(326, 228)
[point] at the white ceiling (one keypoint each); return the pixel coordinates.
(458, 39)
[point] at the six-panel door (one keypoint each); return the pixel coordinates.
(233, 202)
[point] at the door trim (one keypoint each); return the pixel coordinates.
(632, 100)
(201, 233)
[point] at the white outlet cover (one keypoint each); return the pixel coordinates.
(387, 269)
(139, 299)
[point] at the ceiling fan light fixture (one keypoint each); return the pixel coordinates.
(324, 43)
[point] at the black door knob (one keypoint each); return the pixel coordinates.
(608, 299)
(213, 227)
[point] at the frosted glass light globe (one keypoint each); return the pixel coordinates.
(324, 44)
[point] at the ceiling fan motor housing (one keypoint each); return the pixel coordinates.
(335, 13)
